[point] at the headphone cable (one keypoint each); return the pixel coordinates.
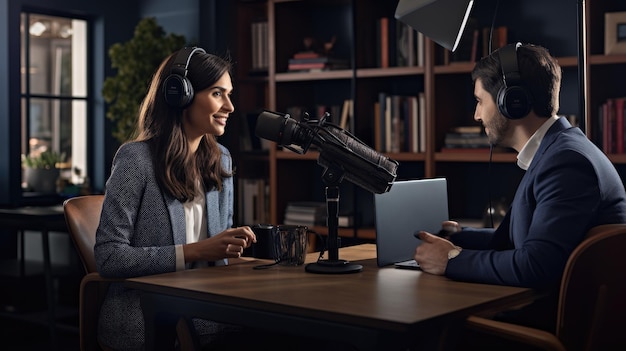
(493, 23)
(490, 208)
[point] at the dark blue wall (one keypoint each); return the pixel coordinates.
(112, 21)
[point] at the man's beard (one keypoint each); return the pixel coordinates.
(498, 129)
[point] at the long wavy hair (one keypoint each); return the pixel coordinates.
(177, 168)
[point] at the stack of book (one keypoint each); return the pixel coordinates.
(253, 196)
(308, 213)
(312, 61)
(397, 44)
(611, 126)
(466, 138)
(400, 123)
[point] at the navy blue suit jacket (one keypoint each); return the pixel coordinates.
(570, 187)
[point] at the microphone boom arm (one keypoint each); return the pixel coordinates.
(341, 155)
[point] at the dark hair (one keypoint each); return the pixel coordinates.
(539, 71)
(177, 168)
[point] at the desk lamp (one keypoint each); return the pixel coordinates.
(427, 17)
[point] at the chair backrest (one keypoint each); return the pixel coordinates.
(82, 215)
(592, 302)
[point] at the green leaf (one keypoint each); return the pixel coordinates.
(136, 61)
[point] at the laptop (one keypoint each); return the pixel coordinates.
(408, 207)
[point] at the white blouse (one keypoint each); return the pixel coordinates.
(195, 225)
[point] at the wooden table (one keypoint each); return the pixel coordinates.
(378, 308)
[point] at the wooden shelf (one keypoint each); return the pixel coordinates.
(448, 91)
(288, 155)
(618, 158)
(406, 156)
(475, 157)
(458, 67)
(389, 72)
(607, 59)
(309, 76)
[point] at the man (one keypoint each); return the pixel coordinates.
(569, 186)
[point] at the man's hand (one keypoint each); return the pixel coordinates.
(448, 228)
(432, 253)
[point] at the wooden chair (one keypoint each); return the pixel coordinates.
(82, 215)
(592, 299)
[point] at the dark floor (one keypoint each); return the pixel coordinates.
(22, 335)
(24, 314)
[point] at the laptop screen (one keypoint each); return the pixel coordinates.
(409, 206)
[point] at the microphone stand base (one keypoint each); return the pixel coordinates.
(333, 267)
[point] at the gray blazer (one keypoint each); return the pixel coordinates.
(139, 228)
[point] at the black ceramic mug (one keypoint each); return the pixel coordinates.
(264, 246)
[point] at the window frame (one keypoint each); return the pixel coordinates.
(82, 101)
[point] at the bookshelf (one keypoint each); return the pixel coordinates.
(445, 85)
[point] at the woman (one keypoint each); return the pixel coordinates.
(169, 200)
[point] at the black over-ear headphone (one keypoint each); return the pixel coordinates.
(513, 99)
(177, 88)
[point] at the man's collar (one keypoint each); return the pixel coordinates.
(526, 155)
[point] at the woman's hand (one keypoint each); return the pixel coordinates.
(227, 244)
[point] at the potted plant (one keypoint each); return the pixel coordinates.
(135, 61)
(42, 171)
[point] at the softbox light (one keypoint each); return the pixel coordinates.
(443, 21)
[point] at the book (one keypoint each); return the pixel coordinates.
(400, 123)
(387, 119)
(253, 198)
(608, 127)
(413, 137)
(306, 206)
(306, 66)
(346, 114)
(467, 129)
(307, 213)
(422, 121)
(377, 127)
(318, 59)
(259, 52)
(316, 63)
(405, 47)
(466, 137)
(345, 221)
(306, 55)
(419, 48)
(380, 117)
(248, 140)
(446, 149)
(383, 42)
(458, 141)
(619, 125)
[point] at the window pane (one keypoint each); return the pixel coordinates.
(41, 126)
(54, 90)
(77, 152)
(50, 60)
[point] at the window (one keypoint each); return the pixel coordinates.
(54, 91)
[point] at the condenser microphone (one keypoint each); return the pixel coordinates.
(285, 131)
(340, 151)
